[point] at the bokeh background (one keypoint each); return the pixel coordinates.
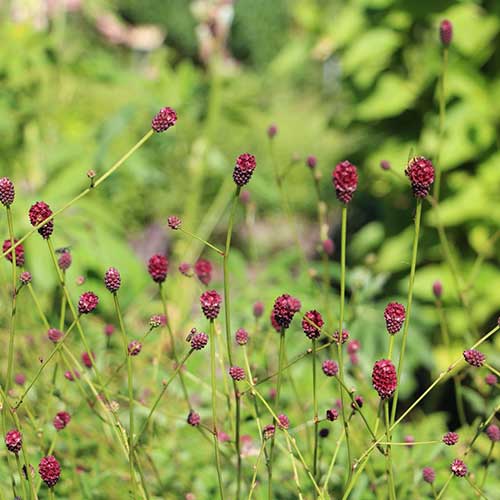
(357, 79)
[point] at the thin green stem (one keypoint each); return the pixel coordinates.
(445, 486)
(253, 484)
(492, 370)
(21, 480)
(413, 266)
(442, 118)
(10, 356)
(315, 410)
(392, 489)
(205, 242)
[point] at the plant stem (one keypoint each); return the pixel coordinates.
(442, 117)
(205, 242)
(130, 378)
(392, 490)
(413, 266)
(445, 486)
(315, 410)
(21, 480)
(253, 484)
(488, 459)
(214, 408)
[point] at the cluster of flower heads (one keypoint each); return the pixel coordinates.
(284, 309)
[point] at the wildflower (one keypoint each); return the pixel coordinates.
(311, 162)
(7, 192)
(61, 420)
(174, 222)
(357, 403)
(330, 368)
(70, 375)
(336, 337)
(203, 271)
(54, 335)
(283, 421)
(258, 309)
(49, 470)
(25, 277)
(210, 304)
(193, 418)
(134, 348)
(19, 251)
(437, 289)
(458, 468)
(450, 438)
(87, 359)
(199, 341)
(394, 316)
(328, 246)
(421, 174)
(158, 268)
(332, 414)
(384, 378)
(237, 373)
(39, 212)
(64, 261)
(241, 336)
(272, 131)
(268, 431)
(185, 269)
(87, 303)
(311, 327)
(490, 379)
(14, 441)
(428, 475)
(474, 357)
(164, 119)
(345, 180)
(112, 280)
(493, 432)
(109, 330)
(385, 165)
(285, 307)
(446, 32)
(157, 320)
(243, 170)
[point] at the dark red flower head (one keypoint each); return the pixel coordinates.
(88, 302)
(353, 346)
(330, 368)
(193, 418)
(284, 309)
(241, 336)
(428, 475)
(174, 222)
(243, 170)
(493, 432)
(14, 441)
(237, 373)
(157, 320)
(420, 171)
(185, 269)
(458, 468)
(332, 414)
(64, 260)
(491, 379)
(450, 438)
(345, 180)
(336, 337)
(61, 420)
(70, 375)
(134, 348)
(87, 359)
(283, 421)
(268, 431)
(25, 277)
(311, 161)
(210, 304)
(311, 327)
(203, 271)
(19, 251)
(164, 119)
(474, 357)
(199, 341)
(357, 403)
(7, 192)
(38, 213)
(385, 165)
(328, 246)
(54, 335)
(112, 280)
(384, 378)
(437, 289)
(109, 329)
(394, 316)
(49, 470)
(158, 268)
(258, 309)
(272, 130)
(446, 32)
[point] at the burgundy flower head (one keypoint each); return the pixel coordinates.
(64, 261)
(336, 337)
(493, 432)
(311, 327)
(345, 180)
(394, 316)
(87, 303)
(258, 309)
(49, 470)
(109, 329)
(384, 378)
(450, 438)
(420, 171)
(157, 320)
(284, 309)
(112, 280)
(25, 277)
(199, 341)
(40, 211)
(210, 304)
(268, 431)
(61, 420)
(158, 268)
(385, 165)
(203, 271)
(474, 357)
(7, 192)
(164, 119)
(357, 403)
(311, 161)
(87, 359)
(237, 373)
(409, 440)
(328, 246)
(428, 475)
(353, 346)
(241, 336)
(193, 418)
(14, 441)
(54, 335)
(185, 269)
(330, 368)
(332, 414)
(491, 379)
(174, 222)
(458, 468)
(20, 379)
(19, 251)
(283, 421)
(272, 130)
(446, 32)
(437, 289)
(134, 348)
(70, 375)
(243, 170)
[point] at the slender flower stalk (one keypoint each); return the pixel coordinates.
(205, 242)
(315, 410)
(392, 489)
(488, 459)
(253, 484)
(413, 266)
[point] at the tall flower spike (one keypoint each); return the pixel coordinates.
(394, 316)
(39, 212)
(7, 192)
(420, 171)
(458, 468)
(112, 280)
(243, 170)
(199, 341)
(49, 470)
(158, 268)
(474, 357)
(345, 180)
(64, 260)
(311, 324)
(428, 475)
(19, 251)
(87, 303)
(174, 222)
(384, 378)
(446, 32)
(210, 304)
(14, 441)
(61, 420)
(284, 309)
(164, 119)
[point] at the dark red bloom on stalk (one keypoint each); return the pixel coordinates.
(328, 246)
(384, 378)
(385, 165)
(54, 335)
(353, 346)
(19, 251)
(437, 289)
(61, 420)
(49, 470)
(272, 131)
(157, 320)
(474, 357)
(87, 359)
(109, 330)
(193, 418)
(336, 337)
(69, 375)
(134, 348)
(268, 431)
(20, 379)
(357, 403)
(38, 213)
(237, 373)
(330, 368)
(7, 192)
(87, 303)
(64, 261)
(409, 440)
(241, 336)
(164, 119)
(185, 269)
(491, 379)
(450, 438)
(311, 161)
(394, 316)
(428, 475)
(311, 327)
(283, 421)
(25, 277)
(420, 171)
(446, 32)
(284, 309)
(210, 304)
(258, 309)
(345, 180)
(493, 432)
(203, 270)
(332, 414)
(458, 468)
(243, 170)
(158, 268)
(199, 341)
(14, 441)
(112, 280)
(174, 222)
